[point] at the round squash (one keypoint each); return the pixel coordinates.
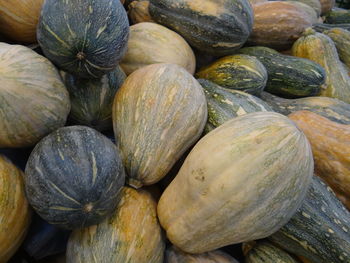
(73, 177)
(218, 27)
(235, 186)
(84, 37)
(138, 11)
(19, 18)
(92, 99)
(150, 43)
(33, 99)
(158, 113)
(15, 213)
(132, 234)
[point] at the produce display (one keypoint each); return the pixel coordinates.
(174, 131)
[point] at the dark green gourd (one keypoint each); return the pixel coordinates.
(288, 76)
(86, 38)
(73, 177)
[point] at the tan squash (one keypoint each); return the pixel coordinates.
(18, 19)
(131, 235)
(326, 6)
(330, 142)
(256, 2)
(138, 11)
(151, 43)
(15, 213)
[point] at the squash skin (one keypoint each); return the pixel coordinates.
(132, 234)
(326, 6)
(225, 104)
(238, 72)
(15, 213)
(323, 27)
(315, 4)
(18, 19)
(288, 76)
(73, 177)
(150, 43)
(80, 41)
(165, 108)
(33, 99)
(211, 184)
(341, 39)
(337, 16)
(330, 143)
(92, 99)
(138, 11)
(321, 49)
(319, 231)
(217, 27)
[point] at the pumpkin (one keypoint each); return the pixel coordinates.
(18, 19)
(73, 177)
(33, 99)
(341, 39)
(326, 6)
(217, 27)
(323, 27)
(239, 72)
(315, 4)
(15, 213)
(131, 234)
(330, 143)
(92, 99)
(138, 11)
(84, 38)
(150, 43)
(242, 190)
(277, 24)
(165, 108)
(337, 16)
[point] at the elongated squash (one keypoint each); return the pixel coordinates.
(323, 27)
(242, 190)
(341, 39)
(337, 16)
(132, 234)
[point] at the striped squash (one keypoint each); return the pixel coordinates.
(341, 39)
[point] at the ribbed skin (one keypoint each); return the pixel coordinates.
(341, 39)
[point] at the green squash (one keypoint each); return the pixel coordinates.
(320, 230)
(73, 177)
(86, 38)
(318, 27)
(288, 76)
(341, 39)
(216, 27)
(337, 16)
(238, 72)
(92, 99)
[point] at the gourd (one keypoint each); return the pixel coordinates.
(215, 27)
(337, 16)
(242, 190)
(165, 108)
(315, 4)
(73, 177)
(84, 37)
(33, 99)
(341, 39)
(138, 11)
(150, 43)
(238, 72)
(321, 49)
(131, 234)
(323, 27)
(15, 214)
(326, 6)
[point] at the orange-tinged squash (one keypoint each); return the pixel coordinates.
(138, 11)
(326, 6)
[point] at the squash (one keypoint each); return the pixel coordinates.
(315, 4)
(225, 104)
(131, 234)
(278, 24)
(337, 16)
(319, 231)
(84, 38)
(138, 11)
(330, 144)
(175, 255)
(18, 19)
(323, 27)
(256, 2)
(341, 39)
(33, 99)
(239, 72)
(92, 99)
(165, 108)
(15, 213)
(217, 27)
(150, 43)
(321, 49)
(73, 177)
(242, 190)
(308, 9)
(288, 76)
(326, 6)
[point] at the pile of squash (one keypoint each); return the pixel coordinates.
(175, 131)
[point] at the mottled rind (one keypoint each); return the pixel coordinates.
(15, 213)
(337, 16)
(131, 234)
(33, 99)
(235, 186)
(341, 39)
(73, 177)
(320, 229)
(158, 113)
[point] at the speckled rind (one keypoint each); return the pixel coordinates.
(131, 234)
(73, 177)
(341, 39)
